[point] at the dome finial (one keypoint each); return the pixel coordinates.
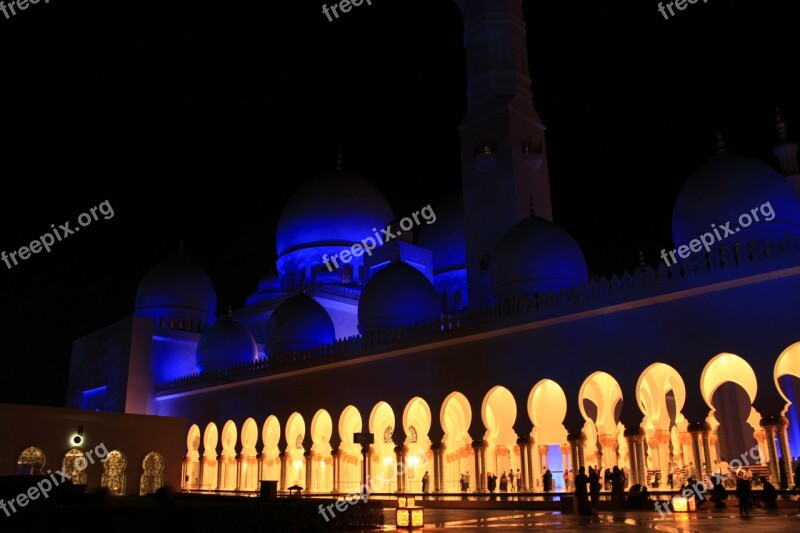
(530, 205)
(230, 311)
(180, 246)
(397, 258)
(642, 262)
(780, 124)
(339, 156)
(720, 143)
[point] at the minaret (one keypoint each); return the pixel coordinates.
(786, 152)
(503, 158)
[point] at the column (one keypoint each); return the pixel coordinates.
(260, 459)
(220, 469)
(476, 452)
(686, 448)
(439, 459)
(336, 472)
(641, 458)
(522, 442)
(707, 454)
(309, 459)
(607, 441)
(400, 467)
(564, 448)
(283, 457)
(531, 466)
(694, 431)
(786, 453)
(581, 448)
(239, 477)
(200, 473)
(633, 459)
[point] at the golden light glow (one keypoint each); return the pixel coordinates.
(403, 517)
(683, 505)
(409, 517)
(679, 504)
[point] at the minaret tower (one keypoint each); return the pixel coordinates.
(786, 152)
(503, 158)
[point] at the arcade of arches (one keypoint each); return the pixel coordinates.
(486, 441)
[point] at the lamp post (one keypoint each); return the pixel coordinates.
(364, 438)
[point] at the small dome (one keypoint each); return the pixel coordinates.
(177, 282)
(297, 324)
(727, 187)
(536, 256)
(226, 343)
(445, 237)
(337, 209)
(396, 296)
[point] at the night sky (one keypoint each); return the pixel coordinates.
(197, 120)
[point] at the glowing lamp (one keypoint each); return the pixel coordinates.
(683, 505)
(407, 515)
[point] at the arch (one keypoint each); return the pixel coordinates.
(321, 458)
(295, 436)
(210, 465)
(383, 467)
(661, 395)
(227, 464)
(455, 417)
(152, 477)
(728, 368)
(350, 457)
(191, 463)
(248, 463)
(31, 461)
(417, 419)
(787, 367)
(114, 477)
(498, 413)
(547, 409)
(74, 465)
(270, 460)
(604, 394)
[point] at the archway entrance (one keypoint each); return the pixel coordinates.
(499, 412)
(456, 417)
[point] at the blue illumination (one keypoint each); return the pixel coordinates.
(398, 295)
(297, 324)
(94, 399)
(536, 256)
(725, 188)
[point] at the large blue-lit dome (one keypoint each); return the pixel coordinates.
(226, 343)
(536, 256)
(445, 237)
(727, 186)
(177, 282)
(336, 209)
(396, 296)
(297, 324)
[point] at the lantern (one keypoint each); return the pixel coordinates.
(408, 515)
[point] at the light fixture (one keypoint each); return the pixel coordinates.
(78, 437)
(408, 515)
(683, 505)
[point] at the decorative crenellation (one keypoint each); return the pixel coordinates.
(725, 262)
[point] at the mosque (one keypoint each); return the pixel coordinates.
(478, 343)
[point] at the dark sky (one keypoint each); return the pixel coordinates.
(198, 119)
